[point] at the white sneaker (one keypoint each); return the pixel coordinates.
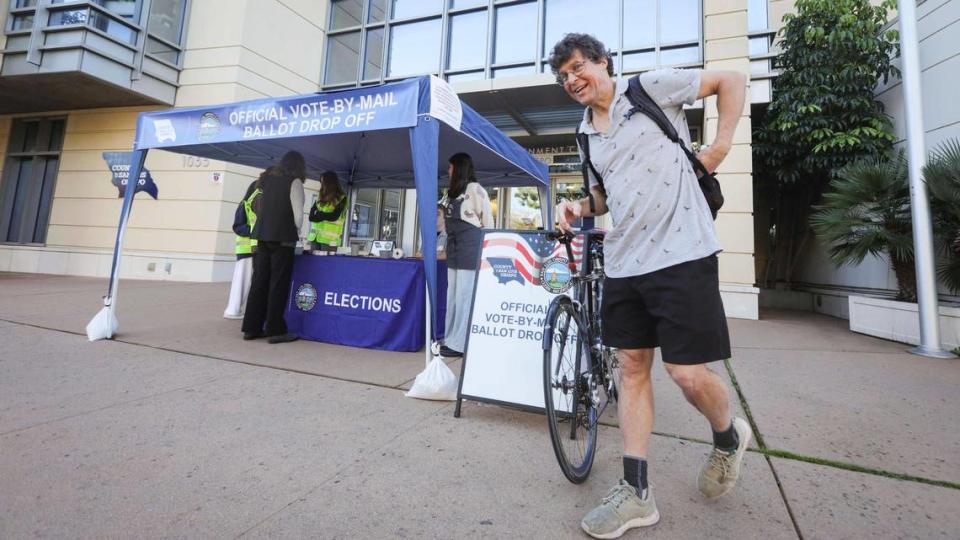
(722, 469)
(621, 510)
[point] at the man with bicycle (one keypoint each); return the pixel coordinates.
(662, 286)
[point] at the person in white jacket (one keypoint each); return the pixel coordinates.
(467, 211)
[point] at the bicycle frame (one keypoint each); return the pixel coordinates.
(586, 299)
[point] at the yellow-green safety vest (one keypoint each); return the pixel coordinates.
(328, 233)
(245, 245)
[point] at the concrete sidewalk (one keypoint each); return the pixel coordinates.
(180, 429)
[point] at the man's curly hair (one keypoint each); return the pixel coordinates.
(589, 46)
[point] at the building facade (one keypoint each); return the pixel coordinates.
(938, 28)
(74, 75)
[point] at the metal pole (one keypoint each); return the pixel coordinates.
(920, 205)
(427, 343)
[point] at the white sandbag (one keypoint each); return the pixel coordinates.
(436, 382)
(103, 325)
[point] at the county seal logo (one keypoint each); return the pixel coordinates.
(555, 275)
(209, 127)
(306, 297)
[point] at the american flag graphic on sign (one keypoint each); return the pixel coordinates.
(527, 251)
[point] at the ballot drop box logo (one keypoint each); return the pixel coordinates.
(520, 273)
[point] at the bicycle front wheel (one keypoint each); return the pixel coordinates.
(571, 412)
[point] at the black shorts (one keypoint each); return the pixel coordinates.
(677, 308)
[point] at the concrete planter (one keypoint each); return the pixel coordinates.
(899, 321)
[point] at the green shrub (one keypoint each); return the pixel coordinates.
(867, 212)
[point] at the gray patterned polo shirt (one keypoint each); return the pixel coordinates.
(660, 217)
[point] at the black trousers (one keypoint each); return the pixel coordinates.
(269, 289)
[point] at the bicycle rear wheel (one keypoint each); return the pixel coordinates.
(571, 413)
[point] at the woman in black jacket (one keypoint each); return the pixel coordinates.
(279, 210)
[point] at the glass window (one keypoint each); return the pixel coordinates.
(641, 31)
(373, 67)
(166, 19)
(376, 214)
(457, 4)
(24, 3)
(759, 67)
(494, 194)
(403, 9)
(343, 55)
(162, 51)
(568, 189)
(469, 76)
(124, 8)
(346, 13)
(112, 27)
(525, 208)
(639, 61)
(390, 216)
(516, 33)
(465, 49)
(513, 71)
(759, 45)
(363, 217)
(30, 129)
(22, 22)
(378, 11)
(757, 15)
(26, 192)
(73, 16)
(55, 143)
(414, 48)
(676, 57)
(598, 18)
(679, 21)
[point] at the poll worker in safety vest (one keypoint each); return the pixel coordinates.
(328, 215)
(467, 210)
(243, 221)
(660, 260)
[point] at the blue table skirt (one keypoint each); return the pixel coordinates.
(362, 301)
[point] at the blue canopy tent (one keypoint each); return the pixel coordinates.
(393, 135)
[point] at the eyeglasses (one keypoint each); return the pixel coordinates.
(576, 71)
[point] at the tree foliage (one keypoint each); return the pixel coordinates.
(942, 174)
(823, 115)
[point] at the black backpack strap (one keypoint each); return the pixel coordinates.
(642, 102)
(583, 141)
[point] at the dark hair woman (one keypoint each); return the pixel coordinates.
(328, 215)
(279, 210)
(290, 165)
(467, 211)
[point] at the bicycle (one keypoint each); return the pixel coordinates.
(576, 365)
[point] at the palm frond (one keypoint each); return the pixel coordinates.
(866, 212)
(942, 175)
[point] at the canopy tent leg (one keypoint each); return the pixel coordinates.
(436, 381)
(427, 342)
(423, 148)
(104, 324)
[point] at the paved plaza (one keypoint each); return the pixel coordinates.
(178, 428)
